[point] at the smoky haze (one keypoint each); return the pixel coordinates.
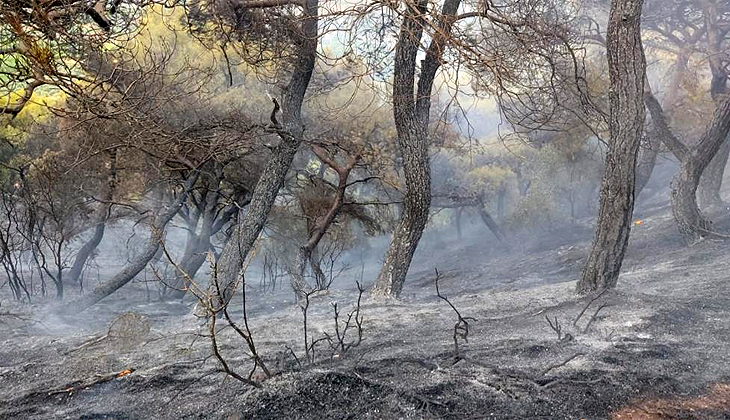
(299, 209)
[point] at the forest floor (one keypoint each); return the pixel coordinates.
(659, 349)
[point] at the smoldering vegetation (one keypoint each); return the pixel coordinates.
(303, 209)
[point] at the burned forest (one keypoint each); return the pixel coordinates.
(409, 209)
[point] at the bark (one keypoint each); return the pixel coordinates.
(272, 179)
(647, 160)
(139, 262)
(411, 122)
(627, 69)
(501, 200)
(692, 224)
(100, 220)
(661, 127)
(711, 179)
(193, 258)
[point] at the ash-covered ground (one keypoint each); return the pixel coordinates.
(659, 348)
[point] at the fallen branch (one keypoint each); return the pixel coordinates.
(588, 305)
(572, 381)
(70, 389)
(595, 314)
(563, 363)
(90, 342)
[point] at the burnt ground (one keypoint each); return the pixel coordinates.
(659, 350)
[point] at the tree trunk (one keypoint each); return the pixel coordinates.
(194, 256)
(138, 263)
(501, 199)
(691, 222)
(490, 223)
(205, 210)
(273, 175)
(100, 219)
(653, 142)
(412, 222)
(647, 160)
(711, 179)
(319, 275)
(411, 122)
(457, 220)
(320, 227)
(74, 274)
(627, 69)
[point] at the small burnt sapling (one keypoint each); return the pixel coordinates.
(558, 328)
(338, 343)
(461, 328)
(212, 305)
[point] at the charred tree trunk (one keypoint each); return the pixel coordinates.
(647, 160)
(627, 69)
(274, 173)
(692, 224)
(100, 220)
(501, 200)
(319, 275)
(205, 218)
(193, 258)
(139, 262)
(411, 122)
(711, 179)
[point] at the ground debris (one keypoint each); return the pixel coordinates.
(98, 379)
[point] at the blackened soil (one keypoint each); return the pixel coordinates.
(658, 349)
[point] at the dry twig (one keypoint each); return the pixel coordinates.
(561, 364)
(461, 328)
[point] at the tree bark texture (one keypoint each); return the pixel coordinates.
(272, 179)
(711, 179)
(692, 224)
(411, 122)
(627, 69)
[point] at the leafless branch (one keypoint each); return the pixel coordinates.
(461, 328)
(561, 364)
